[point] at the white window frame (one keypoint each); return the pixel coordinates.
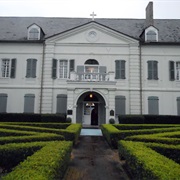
(151, 28)
(29, 32)
(7, 69)
(177, 70)
(63, 70)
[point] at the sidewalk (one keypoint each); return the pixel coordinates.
(92, 159)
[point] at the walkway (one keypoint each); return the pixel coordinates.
(92, 159)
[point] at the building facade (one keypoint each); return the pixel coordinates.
(91, 70)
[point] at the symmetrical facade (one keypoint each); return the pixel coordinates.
(91, 70)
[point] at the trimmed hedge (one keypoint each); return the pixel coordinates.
(166, 138)
(148, 119)
(31, 138)
(71, 133)
(145, 163)
(45, 125)
(49, 163)
(21, 117)
(113, 135)
(14, 153)
(170, 151)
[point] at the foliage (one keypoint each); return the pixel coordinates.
(49, 163)
(145, 163)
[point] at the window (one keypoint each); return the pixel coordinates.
(31, 68)
(61, 106)
(120, 105)
(29, 103)
(92, 61)
(152, 70)
(120, 69)
(151, 36)
(34, 34)
(5, 67)
(3, 102)
(153, 105)
(63, 69)
(178, 106)
(174, 70)
(8, 68)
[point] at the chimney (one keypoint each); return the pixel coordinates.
(149, 15)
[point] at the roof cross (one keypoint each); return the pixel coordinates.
(93, 15)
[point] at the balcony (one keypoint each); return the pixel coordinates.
(93, 77)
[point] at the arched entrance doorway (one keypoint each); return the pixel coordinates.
(91, 109)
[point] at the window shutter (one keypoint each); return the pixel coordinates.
(153, 105)
(3, 102)
(178, 106)
(71, 65)
(155, 68)
(13, 68)
(54, 68)
(117, 68)
(120, 105)
(28, 68)
(80, 71)
(150, 69)
(34, 62)
(171, 71)
(102, 71)
(123, 69)
(61, 104)
(29, 103)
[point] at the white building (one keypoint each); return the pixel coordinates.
(93, 70)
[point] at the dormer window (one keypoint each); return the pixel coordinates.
(151, 34)
(35, 32)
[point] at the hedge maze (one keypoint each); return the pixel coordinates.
(151, 151)
(32, 150)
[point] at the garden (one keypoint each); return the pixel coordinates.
(35, 146)
(150, 148)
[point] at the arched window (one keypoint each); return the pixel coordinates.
(92, 62)
(151, 36)
(34, 34)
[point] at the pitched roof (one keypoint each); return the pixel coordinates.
(15, 28)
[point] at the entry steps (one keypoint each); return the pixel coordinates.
(90, 132)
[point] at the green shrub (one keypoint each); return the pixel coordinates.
(148, 119)
(111, 134)
(22, 117)
(31, 138)
(145, 163)
(49, 163)
(111, 121)
(13, 154)
(170, 151)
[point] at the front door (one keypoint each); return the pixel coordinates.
(87, 113)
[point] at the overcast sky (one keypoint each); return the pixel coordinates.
(163, 9)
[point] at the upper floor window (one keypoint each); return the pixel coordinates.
(8, 68)
(62, 68)
(34, 34)
(152, 70)
(174, 70)
(151, 34)
(120, 69)
(31, 68)
(92, 62)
